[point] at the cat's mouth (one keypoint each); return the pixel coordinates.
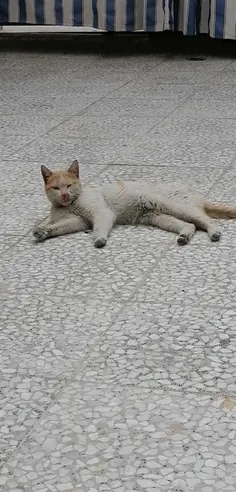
(67, 202)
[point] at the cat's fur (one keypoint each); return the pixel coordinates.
(174, 207)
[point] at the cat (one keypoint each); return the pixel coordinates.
(173, 206)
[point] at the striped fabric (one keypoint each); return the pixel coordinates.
(108, 15)
(214, 17)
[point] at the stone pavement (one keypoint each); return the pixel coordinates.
(118, 366)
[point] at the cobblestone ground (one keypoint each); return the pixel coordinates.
(118, 366)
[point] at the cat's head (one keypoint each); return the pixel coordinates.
(62, 187)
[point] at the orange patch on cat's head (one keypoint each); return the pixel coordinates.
(52, 179)
(59, 178)
(62, 187)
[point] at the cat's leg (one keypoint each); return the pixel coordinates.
(66, 225)
(102, 225)
(184, 230)
(202, 221)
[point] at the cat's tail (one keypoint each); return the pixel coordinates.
(220, 210)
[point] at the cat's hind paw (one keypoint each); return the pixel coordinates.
(40, 233)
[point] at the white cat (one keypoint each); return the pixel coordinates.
(174, 207)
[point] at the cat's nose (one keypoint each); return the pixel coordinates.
(65, 197)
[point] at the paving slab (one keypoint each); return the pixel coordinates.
(117, 366)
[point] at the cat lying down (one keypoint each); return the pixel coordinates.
(174, 207)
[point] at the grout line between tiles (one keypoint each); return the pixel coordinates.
(54, 397)
(82, 111)
(182, 103)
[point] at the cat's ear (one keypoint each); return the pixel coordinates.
(74, 168)
(46, 173)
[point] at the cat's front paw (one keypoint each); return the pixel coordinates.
(40, 233)
(215, 236)
(100, 242)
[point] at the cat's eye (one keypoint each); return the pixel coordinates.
(68, 186)
(56, 188)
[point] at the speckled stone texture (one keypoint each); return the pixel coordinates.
(117, 366)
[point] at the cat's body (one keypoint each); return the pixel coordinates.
(171, 206)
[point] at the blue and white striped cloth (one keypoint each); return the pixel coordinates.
(214, 17)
